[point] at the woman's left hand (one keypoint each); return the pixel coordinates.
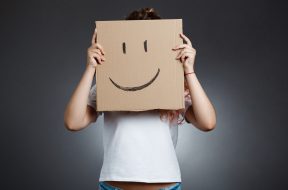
(187, 54)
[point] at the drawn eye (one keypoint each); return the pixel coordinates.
(124, 47)
(145, 45)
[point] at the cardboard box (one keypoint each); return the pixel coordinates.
(140, 71)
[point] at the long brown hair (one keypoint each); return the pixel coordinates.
(149, 13)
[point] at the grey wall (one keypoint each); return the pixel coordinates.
(241, 63)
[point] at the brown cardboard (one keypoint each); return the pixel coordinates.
(128, 64)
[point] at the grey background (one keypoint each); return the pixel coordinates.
(241, 64)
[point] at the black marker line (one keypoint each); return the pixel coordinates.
(124, 47)
(135, 88)
(145, 45)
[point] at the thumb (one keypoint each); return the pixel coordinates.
(95, 35)
(93, 40)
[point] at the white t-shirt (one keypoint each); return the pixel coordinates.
(138, 146)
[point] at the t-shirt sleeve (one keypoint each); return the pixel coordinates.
(92, 98)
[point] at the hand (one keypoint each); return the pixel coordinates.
(95, 53)
(187, 54)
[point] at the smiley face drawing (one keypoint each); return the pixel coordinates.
(140, 87)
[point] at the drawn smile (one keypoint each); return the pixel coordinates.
(135, 88)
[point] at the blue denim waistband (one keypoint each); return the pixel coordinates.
(105, 186)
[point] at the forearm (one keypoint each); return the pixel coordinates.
(77, 106)
(202, 107)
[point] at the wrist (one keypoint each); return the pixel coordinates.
(189, 74)
(90, 69)
(188, 70)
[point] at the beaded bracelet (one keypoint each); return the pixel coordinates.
(188, 73)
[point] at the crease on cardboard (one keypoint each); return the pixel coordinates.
(174, 70)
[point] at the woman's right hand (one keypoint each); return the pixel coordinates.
(95, 53)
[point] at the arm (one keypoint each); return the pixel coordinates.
(201, 113)
(78, 114)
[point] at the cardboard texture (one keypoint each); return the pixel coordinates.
(140, 71)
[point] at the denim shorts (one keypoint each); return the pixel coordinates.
(105, 186)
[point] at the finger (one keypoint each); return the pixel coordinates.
(93, 40)
(100, 47)
(184, 51)
(96, 50)
(100, 56)
(186, 39)
(181, 46)
(185, 62)
(185, 55)
(97, 57)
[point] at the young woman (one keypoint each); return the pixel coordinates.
(139, 147)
